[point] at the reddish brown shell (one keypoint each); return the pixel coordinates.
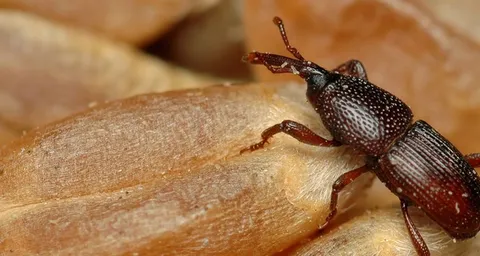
(425, 169)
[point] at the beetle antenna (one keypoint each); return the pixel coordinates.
(282, 64)
(291, 49)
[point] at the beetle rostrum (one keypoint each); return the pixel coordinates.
(412, 159)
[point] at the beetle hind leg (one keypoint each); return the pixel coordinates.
(417, 240)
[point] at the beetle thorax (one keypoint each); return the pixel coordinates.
(360, 114)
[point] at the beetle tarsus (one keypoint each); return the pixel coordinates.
(254, 147)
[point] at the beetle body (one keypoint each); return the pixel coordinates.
(414, 161)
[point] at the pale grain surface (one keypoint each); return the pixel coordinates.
(383, 233)
(162, 174)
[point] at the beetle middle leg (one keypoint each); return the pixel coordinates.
(338, 186)
(352, 68)
(417, 240)
(297, 131)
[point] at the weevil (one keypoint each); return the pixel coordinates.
(414, 161)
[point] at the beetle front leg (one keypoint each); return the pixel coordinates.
(417, 240)
(352, 68)
(338, 186)
(473, 159)
(297, 131)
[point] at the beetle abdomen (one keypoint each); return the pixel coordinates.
(428, 171)
(362, 115)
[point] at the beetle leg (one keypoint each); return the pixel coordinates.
(338, 186)
(297, 131)
(473, 159)
(415, 236)
(352, 68)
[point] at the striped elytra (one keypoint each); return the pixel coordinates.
(414, 161)
(427, 170)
